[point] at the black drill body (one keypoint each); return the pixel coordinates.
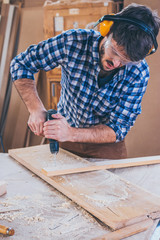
(54, 145)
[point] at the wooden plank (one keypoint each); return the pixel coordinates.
(3, 23)
(5, 59)
(103, 165)
(76, 4)
(32, 20)
(127, 231)
(113, 200)
(8, 50)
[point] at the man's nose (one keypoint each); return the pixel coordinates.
(117, 63)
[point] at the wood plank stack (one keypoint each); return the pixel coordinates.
(15, 132)
(10, 16)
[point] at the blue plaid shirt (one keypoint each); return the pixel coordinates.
(83, 103)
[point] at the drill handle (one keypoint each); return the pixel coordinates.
(49, 114)
(54, 145)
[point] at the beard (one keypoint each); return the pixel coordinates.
(101, 55)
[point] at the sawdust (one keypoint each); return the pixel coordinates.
(63, 161)
(10, 216)
(109, 188)
(13, 201)
(21, 201)
(34, 219)
(46, 215)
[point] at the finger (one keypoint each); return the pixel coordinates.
(51, 136)
(32, 127)
(41, 129)
(50, 123)
(57, 115)
(49, 130)
(35, 128)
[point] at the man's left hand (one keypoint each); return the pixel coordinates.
(58, 128)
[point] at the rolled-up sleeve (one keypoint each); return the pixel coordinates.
(45, 56)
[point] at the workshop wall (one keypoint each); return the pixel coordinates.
(16, 133)
(144, 138)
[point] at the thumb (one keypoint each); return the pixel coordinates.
(57, 115)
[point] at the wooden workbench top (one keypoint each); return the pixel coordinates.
(41, 212)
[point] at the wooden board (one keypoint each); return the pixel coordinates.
(113, 200)
(127, 231)
(73, 166)
(7, 52)
(3, 24)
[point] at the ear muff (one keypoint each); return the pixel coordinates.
(104, 27)
(107, 21)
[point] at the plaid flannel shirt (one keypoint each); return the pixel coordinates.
(82, 102)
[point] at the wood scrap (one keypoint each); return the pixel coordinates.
(127, 231)
(103, 165)
(113, 200)
(3, 188)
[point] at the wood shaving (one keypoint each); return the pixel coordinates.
(34, 219)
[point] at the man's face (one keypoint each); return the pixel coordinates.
(111, 55)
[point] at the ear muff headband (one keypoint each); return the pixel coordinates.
(107, 20)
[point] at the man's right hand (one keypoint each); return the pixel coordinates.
(36, 121)
(28, 92)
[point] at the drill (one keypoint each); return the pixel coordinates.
(54, 145)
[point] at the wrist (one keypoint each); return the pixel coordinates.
(73, 134)
(36, 108)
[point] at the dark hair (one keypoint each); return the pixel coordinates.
(136, 42)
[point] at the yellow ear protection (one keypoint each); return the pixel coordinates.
(107, 21)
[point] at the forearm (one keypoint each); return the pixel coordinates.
(28, 92)
(96, 134)
(60, 130)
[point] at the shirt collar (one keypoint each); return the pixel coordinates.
(95, 49)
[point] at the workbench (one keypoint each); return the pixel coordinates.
(38, 211)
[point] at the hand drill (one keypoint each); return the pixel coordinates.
(54, 145)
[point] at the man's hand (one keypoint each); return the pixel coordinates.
(58, 129)
(36, 122)
(28, 92)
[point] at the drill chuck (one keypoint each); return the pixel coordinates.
(54, 145)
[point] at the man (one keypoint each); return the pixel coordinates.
(103, 82)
